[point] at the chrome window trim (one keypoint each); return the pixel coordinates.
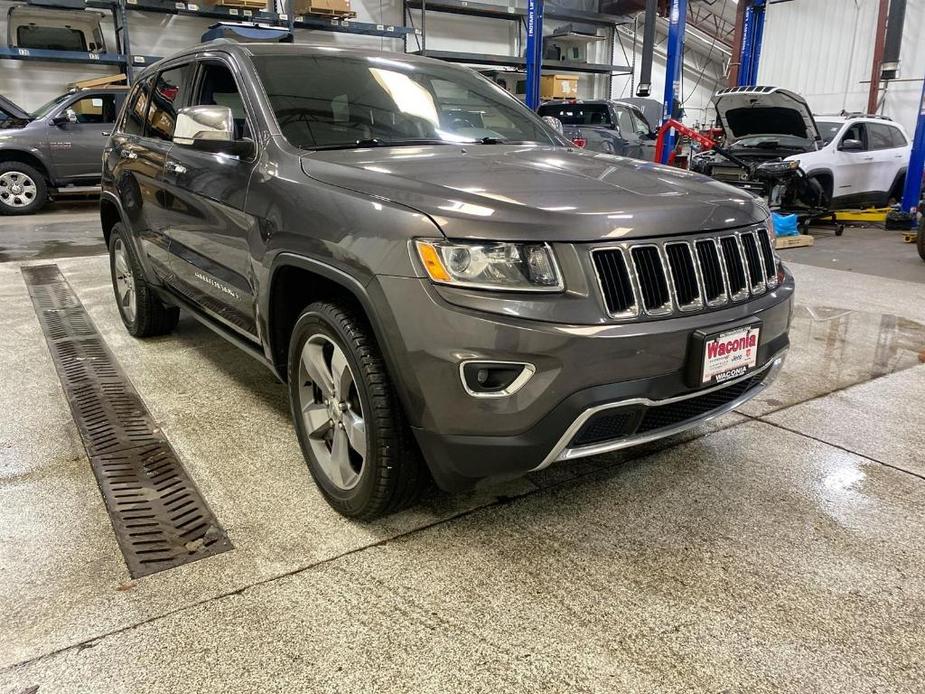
(515, 385)
(561, 452)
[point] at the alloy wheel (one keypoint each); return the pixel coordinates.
(124, 280)
(17, 189)
(331, 411)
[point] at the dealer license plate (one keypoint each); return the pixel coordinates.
(730, 354)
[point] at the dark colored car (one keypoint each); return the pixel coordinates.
(447, 298)
(612, 127)
(55, 147)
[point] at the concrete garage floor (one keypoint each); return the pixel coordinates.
(780, 548)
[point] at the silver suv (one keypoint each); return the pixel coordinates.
(448, 287)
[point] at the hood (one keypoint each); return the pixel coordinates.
(10, 110)
(526, 192)
(744, 111)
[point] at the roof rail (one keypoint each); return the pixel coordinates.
(858, 114)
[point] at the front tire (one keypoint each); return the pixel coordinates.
(23, 189)
(350, 425)
(142, 312)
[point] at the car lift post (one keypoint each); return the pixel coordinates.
(534, 56)
(912, 192)
(752, 35)
(677, 24)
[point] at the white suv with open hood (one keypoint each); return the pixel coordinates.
(835, 161)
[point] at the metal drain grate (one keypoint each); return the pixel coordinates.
(160, 519)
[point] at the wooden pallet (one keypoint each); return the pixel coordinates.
(793, 241)
(241, 4)
(324, 12)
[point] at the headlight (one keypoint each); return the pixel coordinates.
(521, 267)
(773, 169)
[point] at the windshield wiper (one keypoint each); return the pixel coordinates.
(377, 142)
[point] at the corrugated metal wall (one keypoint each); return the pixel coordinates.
(823, 50)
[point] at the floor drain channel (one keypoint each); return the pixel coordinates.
(160, 519)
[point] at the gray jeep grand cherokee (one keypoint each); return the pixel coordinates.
(448, 288)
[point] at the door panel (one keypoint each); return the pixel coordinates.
(888, 160)
(851, 169)
(76, 148)
(202, 212)
(209, 232)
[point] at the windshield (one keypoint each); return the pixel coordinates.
(578, 114)
(331, 102)
(828, 129)
(43, 111)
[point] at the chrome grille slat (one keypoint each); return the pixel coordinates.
(753, 266)
(687, 274)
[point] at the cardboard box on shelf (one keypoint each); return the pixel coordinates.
(558, 87)
(328, 7)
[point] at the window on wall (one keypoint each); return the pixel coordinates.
(133, 121)
(167, 97)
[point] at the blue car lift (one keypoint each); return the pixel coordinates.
(534, 55)
(912, 192)
(677, 25)
(752, 35)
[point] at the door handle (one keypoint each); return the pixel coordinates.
(128, 154)
(174, 167)
(868, 158)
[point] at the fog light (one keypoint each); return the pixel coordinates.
(494, 379)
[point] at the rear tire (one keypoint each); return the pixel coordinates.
(142, 312)
(23, 189)
(350, 425)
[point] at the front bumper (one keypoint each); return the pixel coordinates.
(580, 371)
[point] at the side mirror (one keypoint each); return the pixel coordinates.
(553, 123)
(69, 116)
(851, 146)
(209, 129)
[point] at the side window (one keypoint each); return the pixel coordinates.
(880, 136)
(856, 131)
(897, 137)
(133, 120)
(95, 109)
(168, 96)
(217, 87)
(642, 127)
(625, 122)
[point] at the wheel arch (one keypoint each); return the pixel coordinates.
(296, 281)
(29, 158)
(826, 179)
(110, 214)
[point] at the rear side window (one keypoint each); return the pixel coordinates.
(578, 114)
(881, 136)
(50, 37)
(896, 135)
(133, 119)
(625, 122)
(168, 96)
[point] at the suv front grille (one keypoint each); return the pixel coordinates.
(659, 278)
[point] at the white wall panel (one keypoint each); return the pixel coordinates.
(823, 49)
